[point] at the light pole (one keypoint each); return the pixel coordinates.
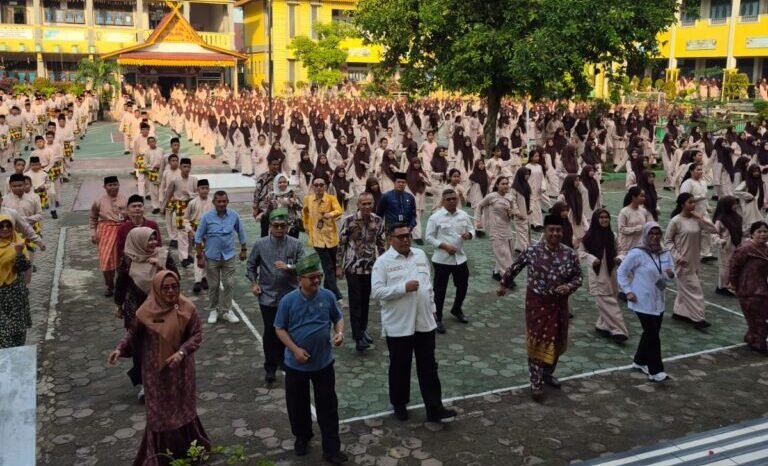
(270, 75)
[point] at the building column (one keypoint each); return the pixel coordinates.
(231, 25)
(91, 32)
(138, 21)
(185, 9)
(730, 62)
(40, 65)
(235, 85)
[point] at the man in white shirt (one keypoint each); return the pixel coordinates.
(447, 229)
(401, 281)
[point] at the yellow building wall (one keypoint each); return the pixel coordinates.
(706, 40)
(256, 40)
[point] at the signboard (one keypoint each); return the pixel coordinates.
(359, 52)
(7, 32)
(757, 42)
(703, 44)
(63, 34)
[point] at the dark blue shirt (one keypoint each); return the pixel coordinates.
(397, 207)
(308, 322)
(218, 232)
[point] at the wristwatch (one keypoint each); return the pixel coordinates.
(181, 352)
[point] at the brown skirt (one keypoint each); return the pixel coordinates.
(155, 445)
(546, 323)
(756, 314)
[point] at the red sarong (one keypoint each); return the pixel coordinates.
(107, 246)
(546, 323)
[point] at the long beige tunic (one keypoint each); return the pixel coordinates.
(603, 287)
(494, 212)
(536, 182)
(631, 223)
(683, 239)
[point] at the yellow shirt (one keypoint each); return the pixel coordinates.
(322, 231)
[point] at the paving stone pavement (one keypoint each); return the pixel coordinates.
(88, 414)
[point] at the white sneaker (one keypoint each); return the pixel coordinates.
(643, 369)
(660, 377)
(213, 317)
(230, 317)
(140, 396)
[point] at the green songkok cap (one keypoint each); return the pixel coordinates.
(308, 264)
(281, 213)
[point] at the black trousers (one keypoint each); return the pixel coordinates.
(359, 287)
(274, 349)
(328, 260)
(326, 404)
(401, 351)
(264, 225)
(649, 349)
(460, 281)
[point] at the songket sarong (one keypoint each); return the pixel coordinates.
(107, 246)
(546, 323)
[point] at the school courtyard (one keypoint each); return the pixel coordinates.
(87, 411)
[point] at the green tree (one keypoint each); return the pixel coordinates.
(496, 48)
(323, 57)
(101, 75)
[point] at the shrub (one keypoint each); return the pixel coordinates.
(659, 85)
(735, 85)
(645, 84)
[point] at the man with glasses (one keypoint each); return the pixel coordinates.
(271, 270)
(319, 215)
(401, 281)
(361, 241)
(304, 318)
(447, 229)
(216, 233)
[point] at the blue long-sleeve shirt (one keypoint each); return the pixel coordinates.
(397, 207)
(218, 232)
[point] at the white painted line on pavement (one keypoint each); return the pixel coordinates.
(53, 313)
(522, 386)
(716, 306)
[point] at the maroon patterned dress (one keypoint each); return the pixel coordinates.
(748, 272)
(170, 395)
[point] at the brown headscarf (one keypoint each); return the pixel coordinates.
(167, 319)
(141, 270)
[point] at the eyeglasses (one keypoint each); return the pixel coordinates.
(279, 225)
(171, 287)
(6, 226)
(318, 185)
(315, 277)
(403, 237)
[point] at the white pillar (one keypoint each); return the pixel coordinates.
(672, 63)
(730, 61)
(231, 25)
(138, 18)
(185, 10)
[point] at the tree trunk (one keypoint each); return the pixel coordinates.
(489, 129)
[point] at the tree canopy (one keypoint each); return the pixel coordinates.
(323, 57)
(509, 47)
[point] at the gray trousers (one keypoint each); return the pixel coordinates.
(220, 272)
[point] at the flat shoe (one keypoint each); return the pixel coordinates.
(444, 414)
(440, 327)
(552, 381)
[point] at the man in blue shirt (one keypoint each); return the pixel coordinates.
(216, 233)
(399, 206)
(304, 319)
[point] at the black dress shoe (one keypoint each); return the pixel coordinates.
(401, 413)
(701, 325)
(681, 318)
(234, 171)
(724, 292)
(204, 283)
(603, 333)
(460, 317)
(552, 381)
(57, 204)
(109, 293)
(362, 344)
(54, 214)
(196, 289)
(367, 337)
(442, 414)
(300, 446)
(336, 458)
(269, 377)
(619, 339)
(440, 327)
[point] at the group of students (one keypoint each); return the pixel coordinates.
(38, 140)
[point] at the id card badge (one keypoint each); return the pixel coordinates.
(400, 218)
